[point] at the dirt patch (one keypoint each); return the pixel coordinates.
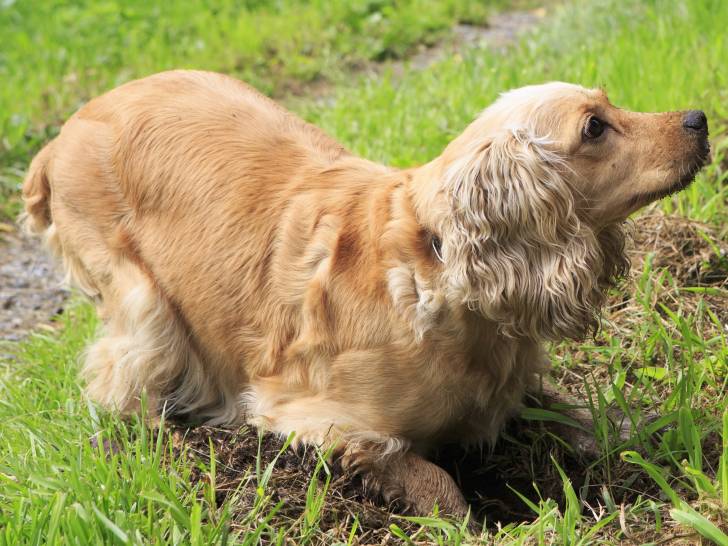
(685, 265)
(491, 481)
(236, 452)
(694, 255)
(30, 284)
(501, 32)
(691, 257)
(486, 479)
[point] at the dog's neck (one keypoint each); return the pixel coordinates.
(424, 189)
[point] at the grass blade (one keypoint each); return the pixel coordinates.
(700, 523)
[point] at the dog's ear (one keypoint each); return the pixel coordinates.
(514, 247)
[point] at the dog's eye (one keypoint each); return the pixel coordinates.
(594, 128)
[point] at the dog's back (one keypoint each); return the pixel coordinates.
(196, 212)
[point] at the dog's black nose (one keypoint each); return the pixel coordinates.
(695, 120)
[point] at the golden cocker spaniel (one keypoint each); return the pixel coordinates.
(246, 266)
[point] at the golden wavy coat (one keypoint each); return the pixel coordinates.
(245, 265)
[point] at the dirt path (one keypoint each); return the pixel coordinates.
(502, 31)
(30, 284)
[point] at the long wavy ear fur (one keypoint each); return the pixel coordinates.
(515, 249)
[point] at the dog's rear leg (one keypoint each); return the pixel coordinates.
(146, 348)
(73, 197)
(141, 347)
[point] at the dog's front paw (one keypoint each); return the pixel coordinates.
(408, 481)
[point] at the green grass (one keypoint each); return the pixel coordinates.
(653, 56)
(56, 55)
(58, 488)
(665, 353)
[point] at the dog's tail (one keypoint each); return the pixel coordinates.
(37, 193)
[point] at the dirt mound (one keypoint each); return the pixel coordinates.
(691, 257)
(236, 452)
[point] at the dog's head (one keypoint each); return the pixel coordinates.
(530, 198)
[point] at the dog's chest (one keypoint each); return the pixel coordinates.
(472, 383)
(472, 377)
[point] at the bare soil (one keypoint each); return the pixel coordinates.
(30, 284)
(484, 477)
(501, 32)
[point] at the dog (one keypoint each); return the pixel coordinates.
(246, 266)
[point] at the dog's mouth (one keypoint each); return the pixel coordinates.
(685, 180)
(686, 177)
